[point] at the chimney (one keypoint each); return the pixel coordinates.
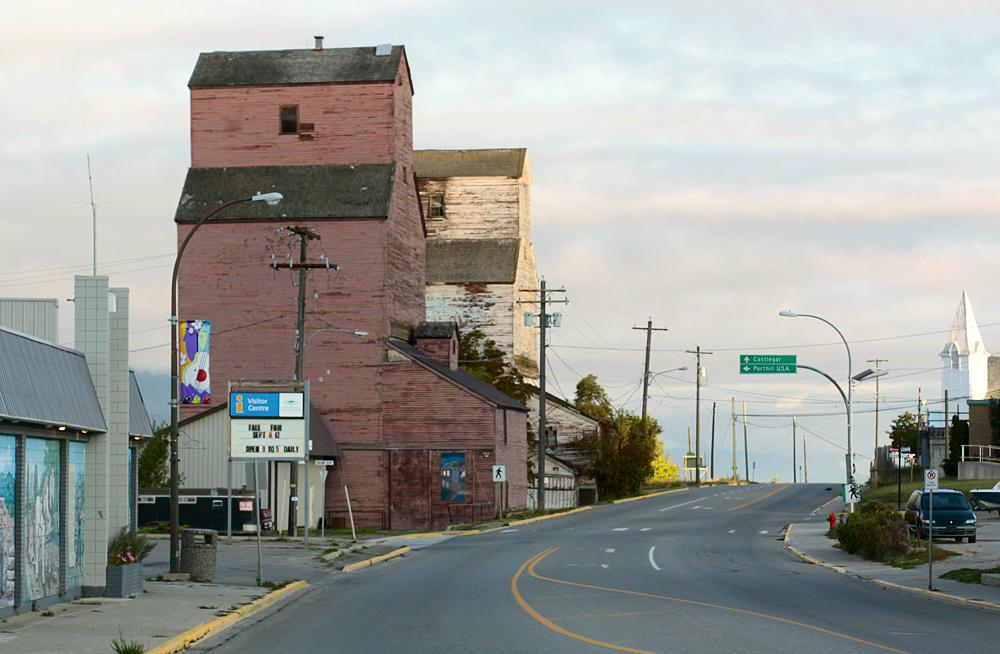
(319, 42)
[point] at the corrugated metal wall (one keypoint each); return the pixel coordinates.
(203, 453)
(35, 316)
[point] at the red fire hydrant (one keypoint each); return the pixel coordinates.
(832, 519)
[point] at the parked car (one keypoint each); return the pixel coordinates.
(953, 517)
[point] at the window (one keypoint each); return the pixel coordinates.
(434, 205)
(290, 119)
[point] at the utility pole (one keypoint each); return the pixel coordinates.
(711, 470)
(746, 450)
(544, 322)
(697, 412)
(649, 329)
(947, 420)
(805, 461)
(305, 235)
(735, 478)
(877, 362)
(795, 463)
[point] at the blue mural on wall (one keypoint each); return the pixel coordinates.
(453, 477)
(8, 446)
(75, 510)
(41, 517)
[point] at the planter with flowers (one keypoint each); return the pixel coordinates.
(124, 572)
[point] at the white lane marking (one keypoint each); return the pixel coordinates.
(696, 506)
(677, 505)
(651, 561)
(708, 508)
(732, 531)
(763, 532)
(620, 529)
(645, 529)
(610, 550)
(604, 565)
(507, 531)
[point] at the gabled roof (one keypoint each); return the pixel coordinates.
(964, 333)
(459, 377)
(138, 417)
(498, 162)
(341, 191)
(463, 261)
(280, 67)
(45, 384)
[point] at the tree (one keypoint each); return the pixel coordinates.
(958, 436)
(664, 469)
(482, 358)
(903, 431)
(153, 458)
(592, 401)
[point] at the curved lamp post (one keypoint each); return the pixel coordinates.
(271, 199)
(850, 411)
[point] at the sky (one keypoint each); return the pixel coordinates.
(700, 164)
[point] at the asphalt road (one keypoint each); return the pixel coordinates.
(700, 571)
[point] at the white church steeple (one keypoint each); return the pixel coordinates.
(964, 357)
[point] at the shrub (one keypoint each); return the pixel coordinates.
(129, 547)
(874, 532)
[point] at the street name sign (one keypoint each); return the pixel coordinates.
(500, 473)
(768, 364)
(930, 480)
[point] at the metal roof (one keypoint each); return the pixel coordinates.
(138, 417)
(331, 191)
(46, 384)
(280, 67)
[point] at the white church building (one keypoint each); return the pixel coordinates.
(964, 359)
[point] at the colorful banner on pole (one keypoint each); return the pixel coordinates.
(196, 387)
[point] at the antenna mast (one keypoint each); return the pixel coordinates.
(93, 213)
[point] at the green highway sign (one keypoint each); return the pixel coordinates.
(768, 364)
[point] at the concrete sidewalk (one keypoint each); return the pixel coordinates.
(809, 541)
(166, 609)
(161, 612)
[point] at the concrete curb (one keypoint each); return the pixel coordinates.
(888, 584)
(528, 521)
(646, 497)
(187, 638)
(351, 567)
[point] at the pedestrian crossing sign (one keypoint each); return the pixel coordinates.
(500, 473)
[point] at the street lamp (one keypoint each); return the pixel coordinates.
(271, 199)
(850, 411)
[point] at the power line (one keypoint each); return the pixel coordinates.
(218, 333)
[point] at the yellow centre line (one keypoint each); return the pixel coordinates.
(759, 499)
(530, 564)
(548, 623)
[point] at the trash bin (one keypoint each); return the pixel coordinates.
(198, 551)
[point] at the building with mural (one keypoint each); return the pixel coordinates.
(69, 423)
(331, 129)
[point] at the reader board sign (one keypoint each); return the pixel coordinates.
(265, 405)
(267, 438)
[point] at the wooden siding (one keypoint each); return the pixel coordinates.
(475, 207)
(571, 425)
